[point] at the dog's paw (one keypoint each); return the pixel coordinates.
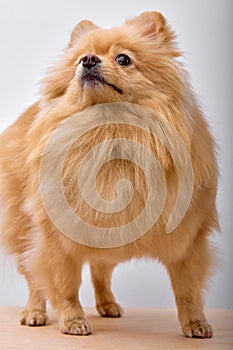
(198, 329)
(76, 327)
(110, 310)
(33, 318)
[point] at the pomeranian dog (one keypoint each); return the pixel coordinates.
(55, 219)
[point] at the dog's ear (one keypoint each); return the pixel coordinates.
(80, 29)
(149, 23)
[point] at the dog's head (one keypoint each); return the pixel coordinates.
(131, 63)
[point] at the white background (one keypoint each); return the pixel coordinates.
(33, 34)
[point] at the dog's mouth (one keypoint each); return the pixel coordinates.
(93, 78)
(114, 87)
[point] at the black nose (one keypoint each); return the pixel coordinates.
(90, 60)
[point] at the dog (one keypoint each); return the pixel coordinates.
(132, 70)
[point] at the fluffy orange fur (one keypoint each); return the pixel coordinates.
(51, 262)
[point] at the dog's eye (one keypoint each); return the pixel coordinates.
(123, 60)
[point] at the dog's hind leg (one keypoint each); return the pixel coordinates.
(101, 273)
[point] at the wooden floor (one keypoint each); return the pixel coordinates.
(139, 329)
